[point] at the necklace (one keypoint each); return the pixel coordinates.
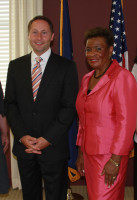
(96, 77)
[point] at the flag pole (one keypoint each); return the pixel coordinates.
(61, 28)
(122, 3)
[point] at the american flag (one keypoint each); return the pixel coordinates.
(117, 26)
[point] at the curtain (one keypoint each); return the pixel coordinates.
(20, 13)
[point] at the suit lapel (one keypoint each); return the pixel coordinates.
(86, 82)
(100, 84)
(104, 80)
(26, 74)
(49, 71)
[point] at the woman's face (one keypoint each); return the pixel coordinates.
(98, 53)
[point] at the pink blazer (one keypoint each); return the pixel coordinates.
(107, 115)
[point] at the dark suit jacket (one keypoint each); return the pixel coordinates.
(51, 115)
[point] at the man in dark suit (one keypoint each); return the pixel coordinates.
(40, 119)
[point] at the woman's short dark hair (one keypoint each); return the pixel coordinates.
(41, 17)
(100, 32)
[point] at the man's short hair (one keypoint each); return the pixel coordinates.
(41, 17)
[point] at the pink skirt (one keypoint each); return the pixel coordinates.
(97, 190)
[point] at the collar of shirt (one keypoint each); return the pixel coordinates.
(45, 56)
(135, 137)
(134, 70)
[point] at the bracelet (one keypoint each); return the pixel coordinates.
(115, 163)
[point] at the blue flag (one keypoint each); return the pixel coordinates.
(65, 40)
(117, 26)
(66, 50)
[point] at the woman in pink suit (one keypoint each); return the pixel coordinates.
(106, 106)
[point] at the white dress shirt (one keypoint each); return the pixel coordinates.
(44, 61)
(134, 72)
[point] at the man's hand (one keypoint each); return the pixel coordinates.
(29, 141)
(39, 144)
(42, 143)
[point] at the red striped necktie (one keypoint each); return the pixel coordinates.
(36, 77)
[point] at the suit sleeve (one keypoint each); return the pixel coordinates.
(125, 100)
(80, 108)
(79, 135)
(67, 109)
(11, 108)
(1, 101)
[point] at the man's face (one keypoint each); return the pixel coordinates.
(40, 36)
